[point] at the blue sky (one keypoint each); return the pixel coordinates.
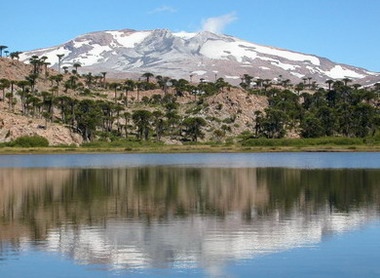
(344, 31)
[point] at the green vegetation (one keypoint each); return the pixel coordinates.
(302, 142)
(29, 142)
(123, 114)
(343, 111)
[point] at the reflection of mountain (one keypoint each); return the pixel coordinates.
(181, 217)
(196, 241)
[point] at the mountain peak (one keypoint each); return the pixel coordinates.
(203, 54)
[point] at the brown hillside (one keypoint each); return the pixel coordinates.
(231, 110)
(13, 124)
(13, 70)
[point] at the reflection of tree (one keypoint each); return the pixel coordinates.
(34, 200)
(162, 192)
(26, 196)
(343, 190)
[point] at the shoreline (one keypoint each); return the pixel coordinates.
(189, 149)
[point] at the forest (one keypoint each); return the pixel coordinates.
(155, 108)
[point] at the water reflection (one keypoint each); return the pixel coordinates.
(177, 217)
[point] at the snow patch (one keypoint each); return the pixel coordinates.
(311, 69)
(284, 66)
(78, 44)
(232, 77)
(297, 74)
(371, 73)
(94, 55)
(51, 55)
(199, 72)
(340, 72)
(129, 40)
(218, 49)
(281, 53)
(184, 35)
(268, 59)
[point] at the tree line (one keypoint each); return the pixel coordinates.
(342, 110)
(77, 102)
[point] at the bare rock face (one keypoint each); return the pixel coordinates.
(235, 107)
(203, 55)
(13, 70)
(13, 126)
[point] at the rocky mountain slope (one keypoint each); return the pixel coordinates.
(233, 108)
(193, 56)
(13, 124)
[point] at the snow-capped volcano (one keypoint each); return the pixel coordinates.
(193, 55)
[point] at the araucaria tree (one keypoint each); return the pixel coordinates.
(142, 118)
(102, 110)
(193, 128)
(2, 47)
(342, 110)
(88, 116)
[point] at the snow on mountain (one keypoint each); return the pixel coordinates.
(203, 55)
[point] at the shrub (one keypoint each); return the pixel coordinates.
(302, 142)
(229, 120)
(121, 143)
(30, 141)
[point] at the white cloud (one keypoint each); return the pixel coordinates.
(217, 24)
(163, 9)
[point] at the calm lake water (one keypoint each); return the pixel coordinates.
(190, 215)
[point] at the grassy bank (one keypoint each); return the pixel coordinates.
(246, 145)
(304, 142)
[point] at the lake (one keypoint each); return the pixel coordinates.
(190, 215)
